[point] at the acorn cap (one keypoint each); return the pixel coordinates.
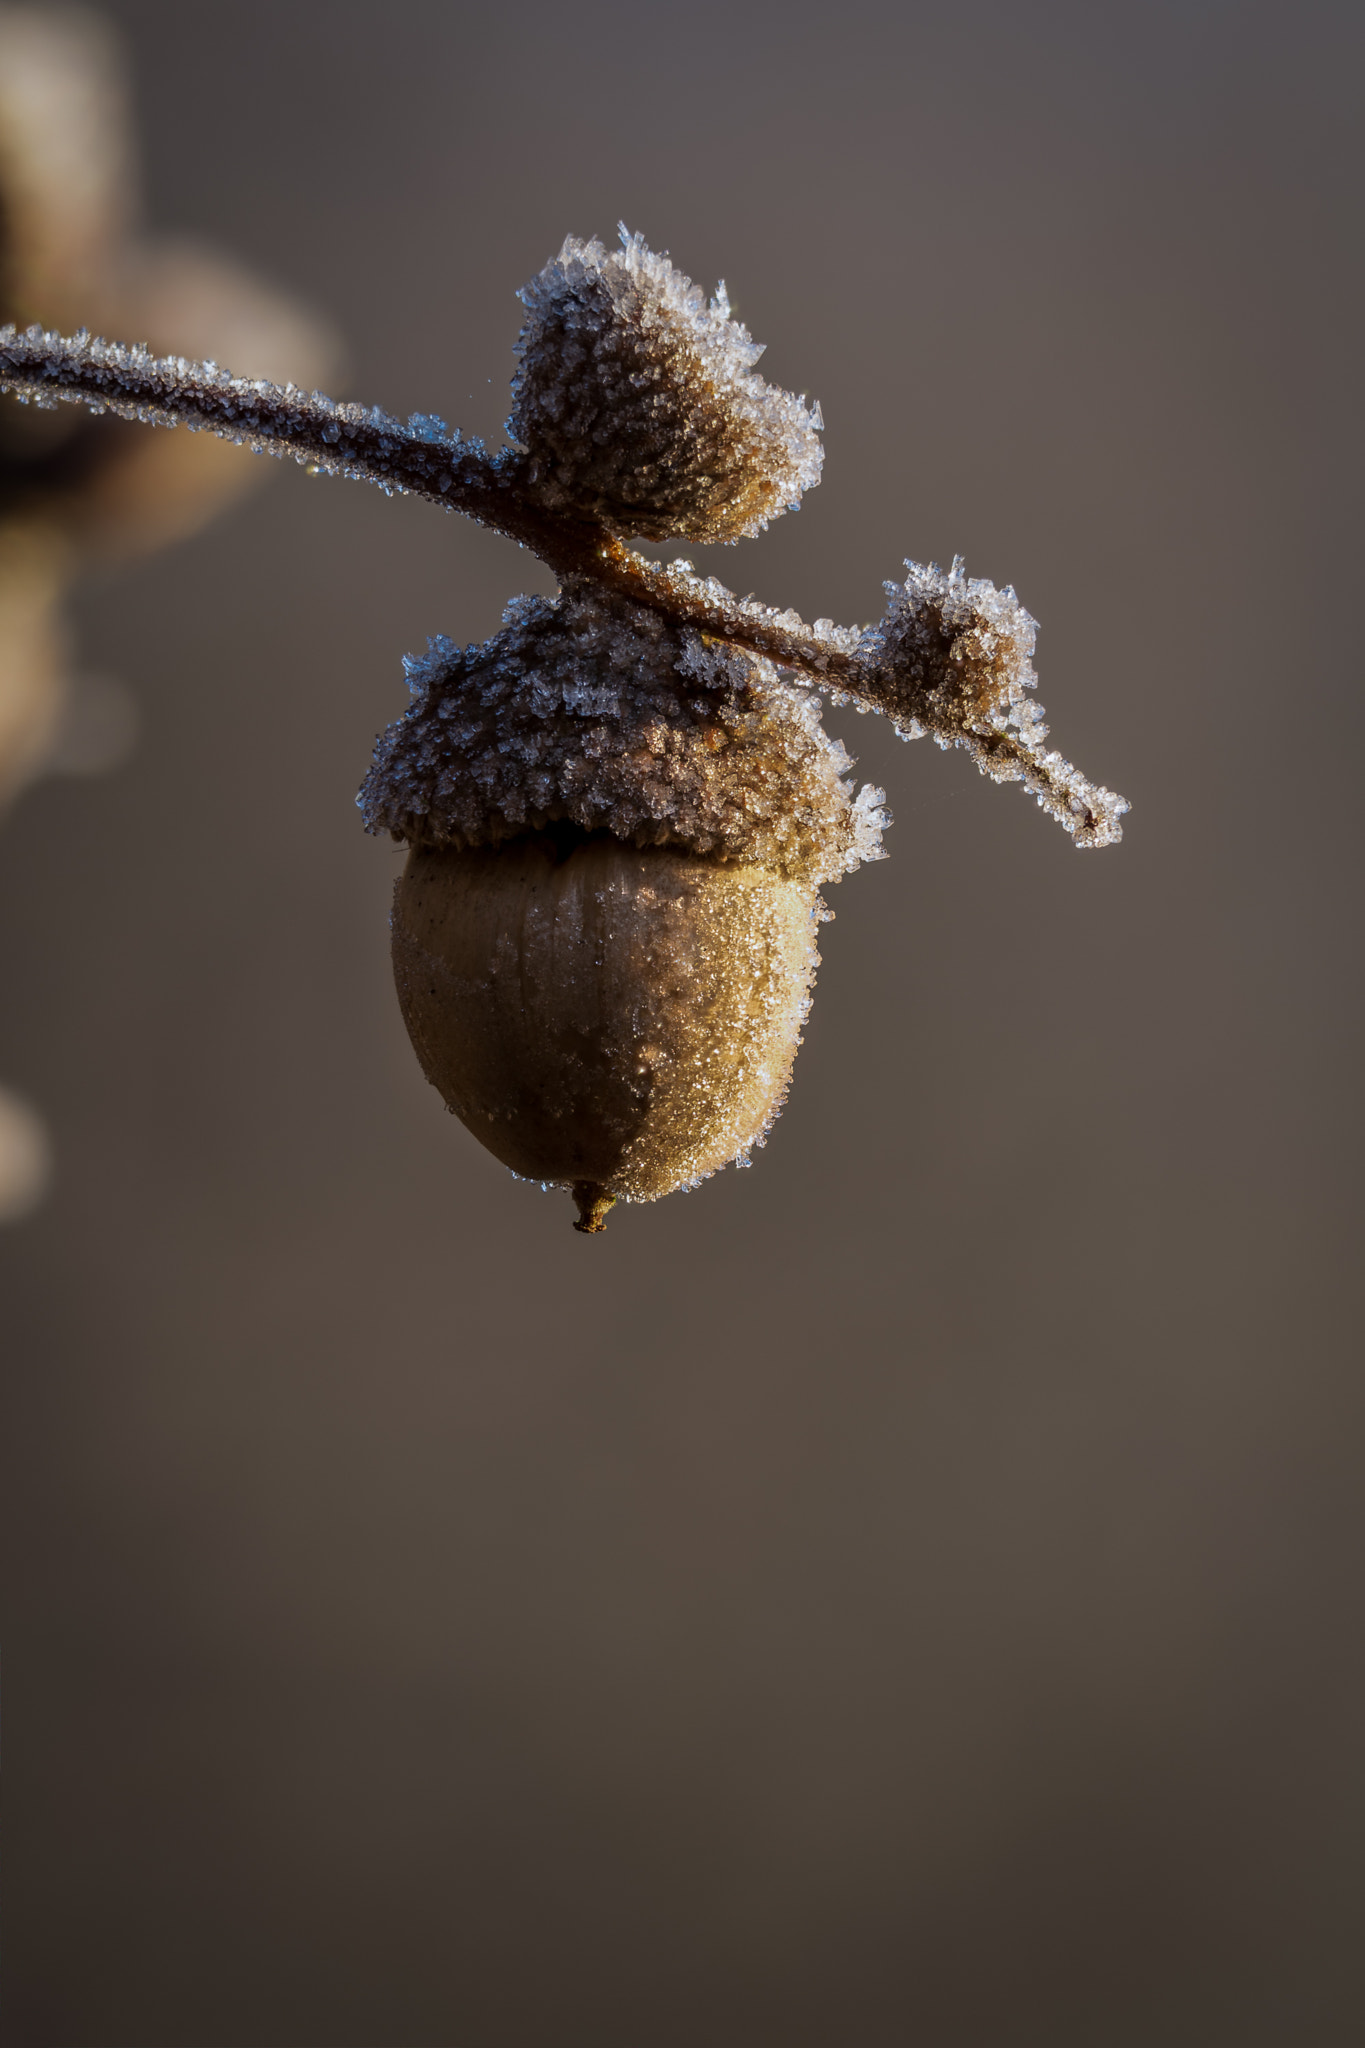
(637, 402)
(600, 713)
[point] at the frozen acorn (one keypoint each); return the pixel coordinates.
(621, 810)
(604, 938)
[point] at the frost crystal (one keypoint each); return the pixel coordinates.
(953, 658)
(599, 711)
(638, 404)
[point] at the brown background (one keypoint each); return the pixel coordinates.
(908, 1592)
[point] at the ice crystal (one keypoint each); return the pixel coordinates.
(600, 712)
(638, 403)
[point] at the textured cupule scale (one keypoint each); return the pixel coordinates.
(637, 402)
(598, 712)
(621, 1016)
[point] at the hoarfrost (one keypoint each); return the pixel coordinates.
(361, 442)
(601, 712)
(638, 403)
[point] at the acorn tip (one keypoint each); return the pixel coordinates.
(593, 1203)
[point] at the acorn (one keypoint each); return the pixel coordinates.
(620, 812)
(604, 939)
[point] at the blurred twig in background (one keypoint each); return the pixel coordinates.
(76, 490)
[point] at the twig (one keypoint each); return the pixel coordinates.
(426, 459)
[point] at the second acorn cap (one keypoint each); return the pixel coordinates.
(637, 402)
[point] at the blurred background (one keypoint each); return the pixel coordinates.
(907, 1592)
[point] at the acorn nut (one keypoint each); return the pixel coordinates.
(617, 1019)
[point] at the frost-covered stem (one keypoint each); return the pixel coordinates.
(423, 458)
(347, 440)
(427, 459)
(837, 659)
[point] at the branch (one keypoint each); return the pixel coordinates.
(1004, 738)
(427, 459)
(424, 457)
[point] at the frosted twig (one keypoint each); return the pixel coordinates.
(927, 666)
(343, 440)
